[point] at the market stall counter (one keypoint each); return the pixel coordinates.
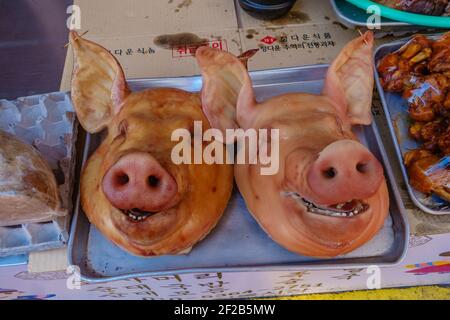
(128, 65)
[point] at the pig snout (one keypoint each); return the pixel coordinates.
(138, 181)
(345, 170)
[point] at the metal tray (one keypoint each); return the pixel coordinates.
(238, 243)
(395, 110)
(353, 17)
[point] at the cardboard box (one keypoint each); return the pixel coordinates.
(158, 38)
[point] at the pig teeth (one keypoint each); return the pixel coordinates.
(311, 207)
(291, 194)
(136, 218)
(133, 217)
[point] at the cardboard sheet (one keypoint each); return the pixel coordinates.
(158, 38)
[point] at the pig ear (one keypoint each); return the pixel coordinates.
(226, 86)
(98, 84)
(349, 82)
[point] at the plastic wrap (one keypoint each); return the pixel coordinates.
(47, 123)
(28, 189)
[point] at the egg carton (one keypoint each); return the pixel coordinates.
(47, 122)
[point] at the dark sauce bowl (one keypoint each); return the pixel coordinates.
(267, 9)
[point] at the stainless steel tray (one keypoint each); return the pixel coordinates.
(238, 243)
(353, 17)
(395, 110)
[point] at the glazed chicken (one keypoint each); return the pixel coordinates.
(426, 96)
(428, 173)
(428, 7)
(435, 135)
(440, 61)
(420, 71)
(399, 69)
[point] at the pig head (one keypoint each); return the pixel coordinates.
(131, 190)
(329, 195)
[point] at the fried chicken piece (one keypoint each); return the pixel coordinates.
(435, 135)
(428, 173)
(444, 141)
(397, 69)
(445, 110)
(440, 61)
(430, 134)
(421, 112)
(431, 130)
(426, 132)
(394, 72)
(442, 43)
(426, 96)
(413, 49)
(415, 131)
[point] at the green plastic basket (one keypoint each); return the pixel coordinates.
(407, 17)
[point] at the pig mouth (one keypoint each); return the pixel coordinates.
(346, 209)
(138, 215)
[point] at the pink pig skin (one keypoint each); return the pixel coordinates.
(322, 163)
(130, 188)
